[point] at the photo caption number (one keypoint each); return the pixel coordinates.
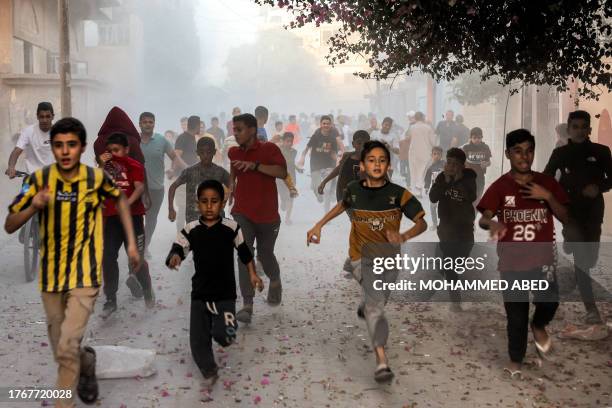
(34, 394)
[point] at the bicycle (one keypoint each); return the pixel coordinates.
(28, 236)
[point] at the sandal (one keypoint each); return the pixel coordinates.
(275, 293)
(87, 388)
(513, 373)
(543, 350)
(383, 373)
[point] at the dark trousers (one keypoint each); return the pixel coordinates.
(207, 321)
(480, 182)
(114, 239)
(157, 197)
(516, 304)
(265, 236)
(582, 240)
(460, 247)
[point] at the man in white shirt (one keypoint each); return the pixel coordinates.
(35, 142)
(386, 135)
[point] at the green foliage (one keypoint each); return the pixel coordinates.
(540, 42)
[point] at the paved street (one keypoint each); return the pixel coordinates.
(310, 351)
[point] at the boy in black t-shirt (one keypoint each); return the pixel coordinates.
(478, 158)
(454, 191)
(212, 239)
(586, 173)
(348, 168)
(436, 167)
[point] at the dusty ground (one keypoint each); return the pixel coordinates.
(312, 351)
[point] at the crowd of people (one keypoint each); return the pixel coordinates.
(234, 174)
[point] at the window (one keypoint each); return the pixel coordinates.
(113, 34)
(28, 58)
(52, 63)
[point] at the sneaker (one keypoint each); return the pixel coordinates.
(245, 314)
(134, 285)
(149, 298)
(275, 293)
(87, 388)
(109, 308)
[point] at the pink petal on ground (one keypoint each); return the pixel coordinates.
(165, 393)
(188, 375)
(256, 399)
(265, 381)
(43, 344)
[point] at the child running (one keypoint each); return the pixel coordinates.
(193, 176)
(70, 269)
(212, 239)
(478, 158)
(454, 190)
(129, 175)
(286, 188)
(376, 205)
(436, 167)
(347, 170)
(524, 202)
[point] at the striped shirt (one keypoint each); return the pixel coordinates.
(70, 226)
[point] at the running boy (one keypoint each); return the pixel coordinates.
(376, 205)
(70, 268)
(454, 190)
(586, 173)
(212, 239)
(524, 203)
(478, 157)
(348, 169)
(129, 175)
(436, 167)
(193, 176)
(286, 188)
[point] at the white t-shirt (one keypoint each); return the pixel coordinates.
(37, 148)
(391, 138)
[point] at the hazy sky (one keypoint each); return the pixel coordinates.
(223, 24)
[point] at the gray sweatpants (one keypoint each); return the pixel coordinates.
(374, 301)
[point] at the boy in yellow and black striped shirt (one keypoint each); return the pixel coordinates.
(67, 198)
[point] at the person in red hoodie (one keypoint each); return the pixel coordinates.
(118, 121)
(129, 175)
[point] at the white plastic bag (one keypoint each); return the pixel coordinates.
(123, 362)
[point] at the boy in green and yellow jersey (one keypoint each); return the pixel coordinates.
(376, 207)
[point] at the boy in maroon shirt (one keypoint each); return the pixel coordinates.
(129, 175)
(255, 166)
(524, 203)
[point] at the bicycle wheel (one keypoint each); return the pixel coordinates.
(30, 251)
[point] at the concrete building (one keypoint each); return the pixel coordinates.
(29, 54)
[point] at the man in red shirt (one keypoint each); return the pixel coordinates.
(254, 167)
(129, 175)
(524, 203)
